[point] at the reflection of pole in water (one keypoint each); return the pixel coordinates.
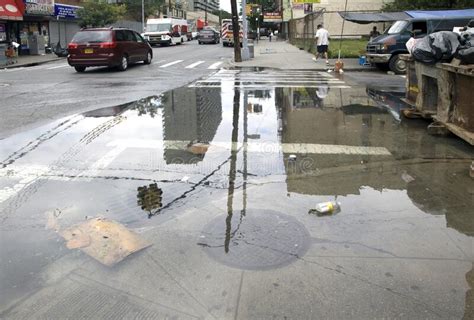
(244, 186)
(233, 160)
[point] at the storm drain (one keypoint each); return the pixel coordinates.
(258, 240)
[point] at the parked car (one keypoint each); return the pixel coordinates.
(110, 47)
(209, 35)
(385, 49)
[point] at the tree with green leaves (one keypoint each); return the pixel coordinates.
(98, 13)
(134, 8)
(399, 5)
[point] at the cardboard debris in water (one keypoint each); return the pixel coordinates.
(198, 148)
(106, 241)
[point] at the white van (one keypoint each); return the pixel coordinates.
(166, 31)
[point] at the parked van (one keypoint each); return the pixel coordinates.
(166, 31)
(384, 50)
(227, 34)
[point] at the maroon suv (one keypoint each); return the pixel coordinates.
(111, 47)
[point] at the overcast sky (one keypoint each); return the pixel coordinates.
(225, 5)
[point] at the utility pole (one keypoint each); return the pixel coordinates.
(245, 47)
(143, 15)
(205, 13)
(235, 30)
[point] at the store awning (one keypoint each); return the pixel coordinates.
(11, 9)
(373, 17)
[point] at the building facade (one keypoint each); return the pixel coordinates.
(203, 5)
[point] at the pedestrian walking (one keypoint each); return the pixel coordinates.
(322, 43)
(270, 36)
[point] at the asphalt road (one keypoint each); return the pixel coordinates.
(34, 96)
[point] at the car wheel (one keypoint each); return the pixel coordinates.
(149, 56)
(397, 65)
(80, 69)
(123, 63)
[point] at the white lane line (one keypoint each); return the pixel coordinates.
(253, 81)
(14, 69)
(171, 63)
(269, 147)
(159, 61)
(269, 85)
(215, 65)
(57, 67)
(194, 64)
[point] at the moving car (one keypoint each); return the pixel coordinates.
(166, 31)
(385, 49)
(110, 47)
(209, 35)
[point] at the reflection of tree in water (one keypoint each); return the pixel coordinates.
(149, 198)
(149, 106)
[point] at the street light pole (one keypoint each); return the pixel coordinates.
(205, 13)
(245, 47)
(143, 15)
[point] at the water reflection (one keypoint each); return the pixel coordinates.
(149, 198)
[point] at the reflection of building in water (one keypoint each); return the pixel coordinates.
(190, 116)
(308, 97)
(469, 304)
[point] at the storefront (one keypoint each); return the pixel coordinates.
(11, 11)
(64, 25)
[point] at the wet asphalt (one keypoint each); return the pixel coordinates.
(221, 176)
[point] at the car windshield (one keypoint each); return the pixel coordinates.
(91, 36)
(158, 27)
(397, 27)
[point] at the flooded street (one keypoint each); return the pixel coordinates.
(220, 178)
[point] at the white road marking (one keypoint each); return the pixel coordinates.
(159, 61)
(171, 63)
(269, 147)
(57, 67)
(102, 163)
(276, 85)
(194, 64)
(215, 65)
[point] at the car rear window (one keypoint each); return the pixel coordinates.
(92, 36)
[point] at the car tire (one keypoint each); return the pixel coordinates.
(149, 56)
(397, 65)
(123, 63)
(80, 69)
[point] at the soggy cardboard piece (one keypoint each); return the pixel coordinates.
(198, 148)
(105, 240)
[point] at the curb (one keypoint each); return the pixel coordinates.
(30, 64)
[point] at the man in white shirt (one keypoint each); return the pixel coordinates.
(322, 42)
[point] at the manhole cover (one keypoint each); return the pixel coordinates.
(262, 239)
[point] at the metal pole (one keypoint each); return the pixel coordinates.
(143, 15)
(205, 12)
(245, 47)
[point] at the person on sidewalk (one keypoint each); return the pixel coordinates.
(322, 42)
(374, 33)
(270, 36)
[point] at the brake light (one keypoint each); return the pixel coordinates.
(108, 45)
(72, 45)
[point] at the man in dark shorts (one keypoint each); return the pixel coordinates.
(322, 43)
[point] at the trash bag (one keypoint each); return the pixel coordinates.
(436, 47)
(59, 51)
(465, 52)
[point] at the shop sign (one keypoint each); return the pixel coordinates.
(66, 11)
(39, 7)
(272, 17)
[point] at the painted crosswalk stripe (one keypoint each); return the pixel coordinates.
(171, 63)
(194, 64)
(215, 65)
(56, 67)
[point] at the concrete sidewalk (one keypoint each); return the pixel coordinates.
(27, 61)
(283, 55)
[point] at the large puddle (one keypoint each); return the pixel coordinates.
(220, 176)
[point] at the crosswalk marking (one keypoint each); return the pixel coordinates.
(171, 63)
(194, 64)
(271, 79)
(215, 65)
(60, 66)
(159, 61)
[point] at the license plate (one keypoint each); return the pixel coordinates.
(88, 50)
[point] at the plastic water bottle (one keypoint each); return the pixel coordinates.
(328, 207)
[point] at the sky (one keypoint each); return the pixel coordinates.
(225, 5)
